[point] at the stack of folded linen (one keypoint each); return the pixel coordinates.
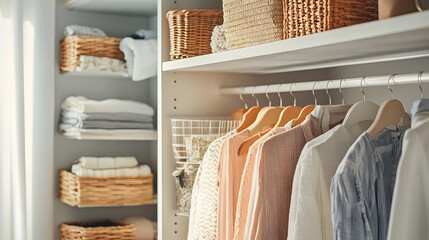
(109, 167)
(112, 117)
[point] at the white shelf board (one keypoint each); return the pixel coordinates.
(150, 135)
(86, 73)
(402, 37)
(123, 7)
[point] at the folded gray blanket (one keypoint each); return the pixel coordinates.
(65, 127)
(75, 117)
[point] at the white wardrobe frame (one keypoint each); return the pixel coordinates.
(196, 90)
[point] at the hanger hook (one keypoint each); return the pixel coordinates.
(418, 6)
(268, 97)
(280, 96)
(419, 81)
(341, 91)
(314, 95)
(291, 93)
(327, 92)
(388, 83)
(241, 98)
(253, 95)
(361, 88)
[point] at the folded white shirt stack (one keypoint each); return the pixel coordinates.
(109, 167)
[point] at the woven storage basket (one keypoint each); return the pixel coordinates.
(191, 31)
(305, 17)
(114, 191)
(96, 230)
(252, 22)
(74, 46)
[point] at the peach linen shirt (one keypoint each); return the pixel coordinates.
(246, 184)
(268, 211)
(273, 174)
(231, 167)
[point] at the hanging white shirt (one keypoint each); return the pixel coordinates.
(409, 218)
(310, 213)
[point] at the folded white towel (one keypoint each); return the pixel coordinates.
(140, 57)
(141, 170)
(107, 162)
(83, 30)
(83, 105)
(218, 38)
(103, 64)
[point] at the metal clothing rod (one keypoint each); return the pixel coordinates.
(333, 84)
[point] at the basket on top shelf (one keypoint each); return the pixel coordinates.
(191, 31)
(105, 191)
(94, 230)
(72, 47)
(310, 16)
(252, 22)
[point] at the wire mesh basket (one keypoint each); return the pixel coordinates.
(188, 130)
(191, 139)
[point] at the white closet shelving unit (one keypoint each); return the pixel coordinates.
(118, 19)
(207, 85)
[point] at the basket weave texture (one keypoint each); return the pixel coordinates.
(191, 31)
(303, 17)
(97, 230)
(252, 22)
(112, 191)
(74, 46)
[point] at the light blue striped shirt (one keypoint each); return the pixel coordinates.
(362, 187)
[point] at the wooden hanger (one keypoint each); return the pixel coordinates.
(238, 114)
(249, 118)
(305, 111)
(303, 114)
(250, 115)
(360, 111)
(287, 114)
(391, 112)
(266, 119)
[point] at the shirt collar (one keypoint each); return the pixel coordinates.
(330, 114)
(419, 105)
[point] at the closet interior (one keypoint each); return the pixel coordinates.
(210, 85)
(117, 19)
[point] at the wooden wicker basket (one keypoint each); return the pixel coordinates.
(74, 46)
(252, 22)
(115, 191)
(96, 230)
(191, 31)
(312, 16)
